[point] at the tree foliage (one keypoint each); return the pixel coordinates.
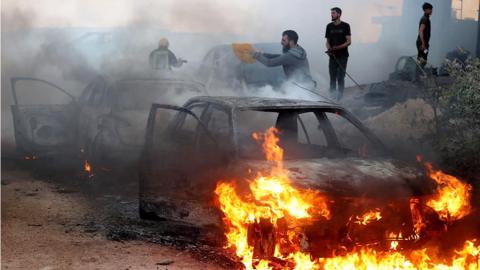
(458, 120)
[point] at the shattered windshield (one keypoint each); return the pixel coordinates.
(140, 94)
(304, 134)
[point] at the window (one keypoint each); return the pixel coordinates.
(248, 122)
(308, 122)
(184, 131)
(93, 93)
(348, 135)
(219, 126)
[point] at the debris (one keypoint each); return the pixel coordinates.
(65, 191)
(165, 262)
(90, 230)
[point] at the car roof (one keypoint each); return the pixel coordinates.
(263, 103)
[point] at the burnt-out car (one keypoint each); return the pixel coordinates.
(106, 122)
(326, 148)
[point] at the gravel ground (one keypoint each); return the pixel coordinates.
(68, 222)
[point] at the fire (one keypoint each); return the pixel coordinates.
(264, 223)
(468, 258)
(452, 200)
(393, 245)
(370, 216)
(271, 198)
(87, 168)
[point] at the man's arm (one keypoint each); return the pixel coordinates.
(173, 60)
(420, 34)
(271, 55)
(344, 45)
(327, 38)
(283, 59)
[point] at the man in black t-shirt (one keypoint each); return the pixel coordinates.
(338, 39)
(423, 39)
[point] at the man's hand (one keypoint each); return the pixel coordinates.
(255, 54)
(422, 47)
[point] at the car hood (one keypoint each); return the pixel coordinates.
(353, 176)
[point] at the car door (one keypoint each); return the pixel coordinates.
(92, 108)
(169, 160)
(215, 154)
(43, 129)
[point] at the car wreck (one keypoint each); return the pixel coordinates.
(105, 123)
(325, 151)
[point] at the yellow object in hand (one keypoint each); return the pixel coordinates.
(244, 51)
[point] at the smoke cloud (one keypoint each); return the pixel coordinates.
(70, 42)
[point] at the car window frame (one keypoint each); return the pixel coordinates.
(206, 120)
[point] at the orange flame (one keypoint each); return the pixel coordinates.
(88, 167)
(370, 216)
(468, 258)
(272, 199)
(452, 199)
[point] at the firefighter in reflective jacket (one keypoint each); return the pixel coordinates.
(164, 59)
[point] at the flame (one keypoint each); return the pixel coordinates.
(263, 223)
(87, 168)
(271, 197)
(393, 245)
(467, 258)
(370, 216)
(417, 217)
(452, 199)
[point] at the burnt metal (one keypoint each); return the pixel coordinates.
(177, 182)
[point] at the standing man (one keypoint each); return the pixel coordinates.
(338, 39)
(293, 60)
(163, 58)
(423, 38)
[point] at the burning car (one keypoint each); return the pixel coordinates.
(288, 180)
(106, 122)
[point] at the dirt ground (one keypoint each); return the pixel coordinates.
(47, 224)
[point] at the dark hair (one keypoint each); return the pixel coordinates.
(337, 9)
(427, 6)
(292, 35)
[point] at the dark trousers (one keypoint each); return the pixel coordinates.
(422, 56)
(337, 69)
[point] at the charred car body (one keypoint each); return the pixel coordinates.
(106, 122)
(326, 149)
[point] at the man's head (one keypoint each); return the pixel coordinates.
(427, 8)
(163, 43)
(336, 13)
(289, 39)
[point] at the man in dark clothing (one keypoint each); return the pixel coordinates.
(164, 59)
(423, 39)
(338, 37)
(293, 60)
